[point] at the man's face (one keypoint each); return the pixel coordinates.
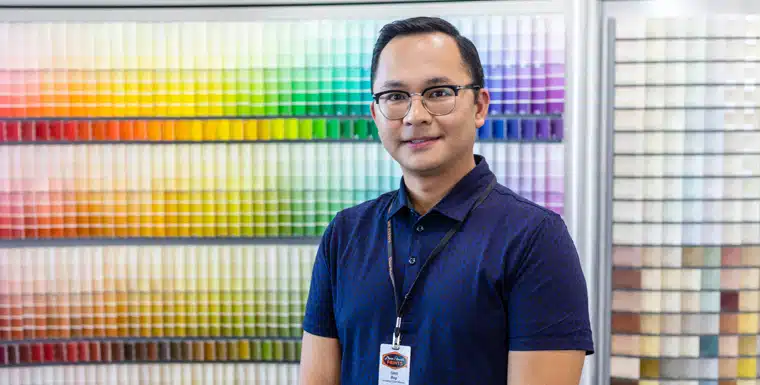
(423, 143)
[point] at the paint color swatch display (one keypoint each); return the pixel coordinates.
(221, 190)
(101, 292)
(686, 202)
(239, 130)
(217, 130)
(154, 374)
(312, 67)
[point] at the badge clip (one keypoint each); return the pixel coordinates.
(396, 344)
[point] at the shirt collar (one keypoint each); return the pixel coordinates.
(459, 200)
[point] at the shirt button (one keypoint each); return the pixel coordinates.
(420, 228)
(412, 260)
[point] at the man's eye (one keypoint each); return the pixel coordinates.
(440, 93)
(394, 97)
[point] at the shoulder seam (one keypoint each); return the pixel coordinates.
(523, 200)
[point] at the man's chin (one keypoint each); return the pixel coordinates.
(423, 167)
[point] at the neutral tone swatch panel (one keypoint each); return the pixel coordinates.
(686, 204)
(157, 291)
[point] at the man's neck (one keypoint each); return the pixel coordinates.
(425, 191)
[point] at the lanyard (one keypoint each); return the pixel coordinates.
(433, 254)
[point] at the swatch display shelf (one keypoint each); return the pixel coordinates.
(686, 205)
(163, 185)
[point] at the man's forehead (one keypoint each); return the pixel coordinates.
(423, 42)
(420, 60)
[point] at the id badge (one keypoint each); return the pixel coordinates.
(394, 365)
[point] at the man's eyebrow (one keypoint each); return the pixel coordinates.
(437, 80)
(393, 84)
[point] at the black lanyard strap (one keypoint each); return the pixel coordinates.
(444, 241)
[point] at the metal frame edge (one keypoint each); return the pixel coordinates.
(582, 183)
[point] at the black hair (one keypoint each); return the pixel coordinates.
(416, 25)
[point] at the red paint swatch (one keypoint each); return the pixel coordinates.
(3, 129)
(117, 351)
(59, 353)
(13, 354)
(56, 130)
(13, 131)
(105, 351)
(71, 130)
(71, 352)
(36, 353)
(84, 354)
(27, 131)
(25, 354)
(42, 130)
(3, 355)
(729, 301)
(95, 351)
(49, 353)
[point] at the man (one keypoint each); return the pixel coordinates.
(502, 301)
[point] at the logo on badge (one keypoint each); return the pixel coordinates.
(394, 360)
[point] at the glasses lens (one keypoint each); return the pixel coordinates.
(440, 101)
(394, 105)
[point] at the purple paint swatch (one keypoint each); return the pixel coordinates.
(523, 64)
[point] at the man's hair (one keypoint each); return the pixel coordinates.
(417, 25)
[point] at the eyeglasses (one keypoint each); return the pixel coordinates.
(438, 100)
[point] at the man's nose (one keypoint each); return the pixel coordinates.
(417, 112)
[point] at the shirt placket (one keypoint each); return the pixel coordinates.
(418, 250)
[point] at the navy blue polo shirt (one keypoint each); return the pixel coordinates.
(510, 279)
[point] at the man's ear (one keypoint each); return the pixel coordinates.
(481, 107)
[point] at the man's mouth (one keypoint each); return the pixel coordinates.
(422, 139)
(419, 143)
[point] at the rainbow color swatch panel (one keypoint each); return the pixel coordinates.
(282, 68)
(266, 189)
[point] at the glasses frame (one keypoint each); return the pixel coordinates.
(456, 88)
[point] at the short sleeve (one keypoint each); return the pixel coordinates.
(319, 318)
(547, 302)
